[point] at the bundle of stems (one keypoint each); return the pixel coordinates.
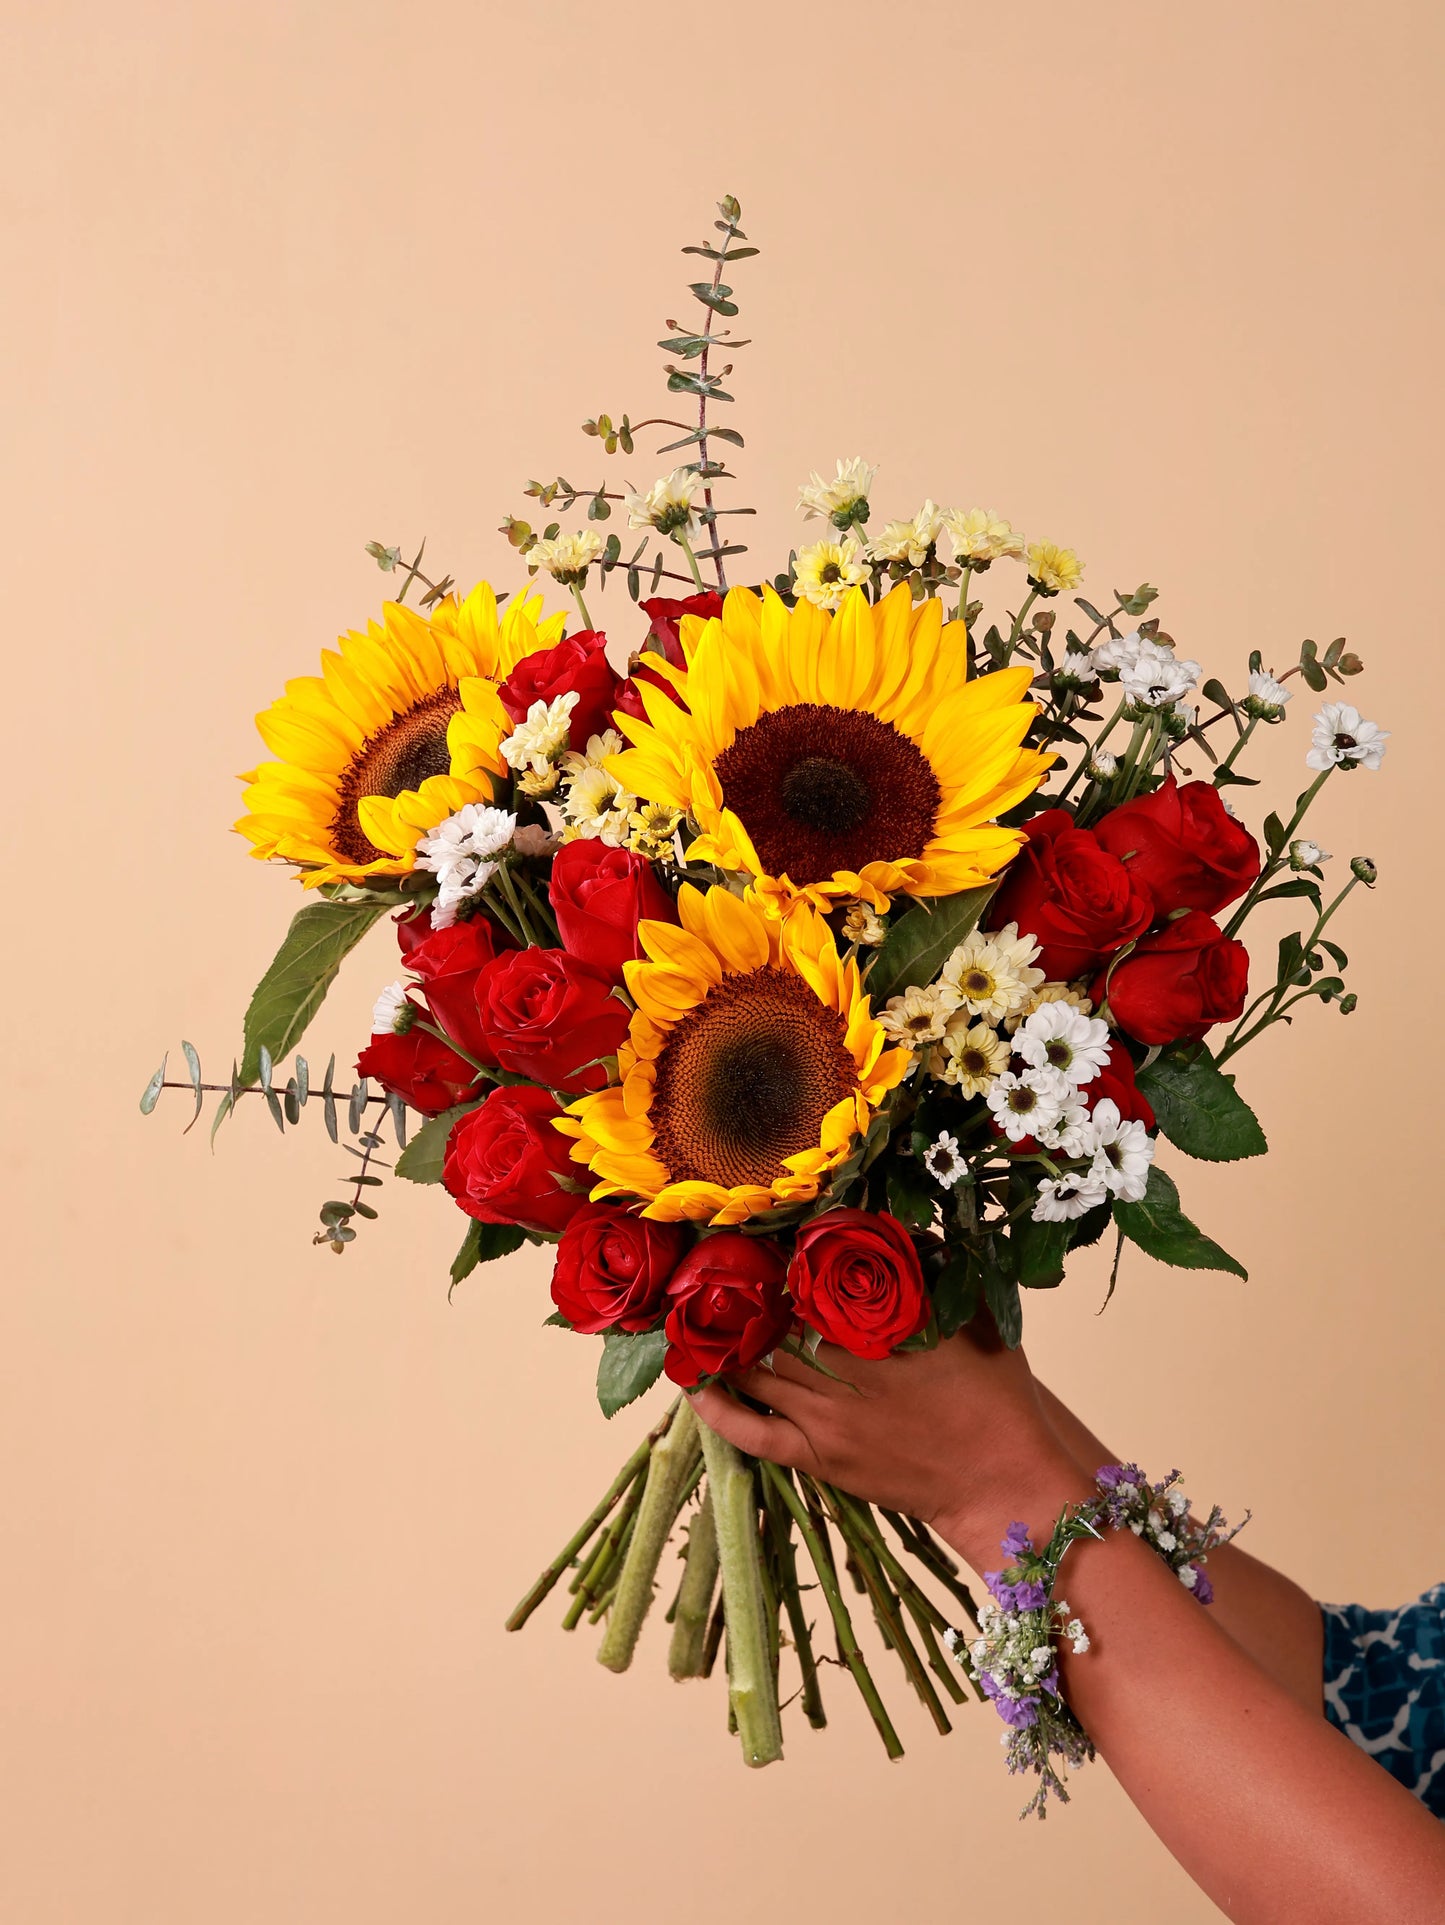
(740, 1592)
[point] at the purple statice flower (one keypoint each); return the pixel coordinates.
(1018, 1712)
(1029, 1595)
(1203, 1589)
(1110, 1475)
(1017, 1542)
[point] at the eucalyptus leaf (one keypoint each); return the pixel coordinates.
(304, 968)
(922, 939)
(152, 1092)
(628, 1366)
(1198, 1107)
(1161, 1229)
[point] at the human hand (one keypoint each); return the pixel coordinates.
(955, 1436)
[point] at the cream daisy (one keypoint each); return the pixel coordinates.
(919, 1015)
(667, 505)
(537, 742)
(844, 499)
(824, 572)
(979, 536)
(909, 541)
(1052, 569)
(970, 1056)
(1343, 739)
(992, 973)
(566, 558)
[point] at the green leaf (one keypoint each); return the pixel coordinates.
(421, 1160)
(151, 1095)
(295, 986)
(920, 942)
(1199, 1108)
(629, 1365)
(912, 1193)
(955, 1294)
(1038, 1252)
(484, 1243)
(1161, 1229)
(1001, 1294)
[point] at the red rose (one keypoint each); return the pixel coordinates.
(1115, 1081)
(449, 962)
(419, 1068)
(629, 695)
(503, 1160)
(1179, 982)
(727, 1306)
(665, 612)
(855, 1277)
(547, 1015)
(1184, 846)
(599, 895)
(1073, 897)
(578, 663)
(612, 1269)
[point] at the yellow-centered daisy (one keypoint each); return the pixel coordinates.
(375, 750)
(752, 1064)
(840, 756)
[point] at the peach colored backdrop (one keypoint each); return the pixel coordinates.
(1161, 282)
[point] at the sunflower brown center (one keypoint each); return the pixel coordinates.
(400, 756)
(820, 788)
(746, 1078)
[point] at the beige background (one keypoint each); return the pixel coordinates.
(1162, 282)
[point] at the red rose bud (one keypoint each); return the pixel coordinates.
(1179, 982)
(449, 962)
(1115, 1081)
(551, 1017)
(1184, 846)
(419, 1068)
(1075, 899)
(613, 1268)
(855, 1277)
(599, 895)
(629, 696)
(577, 663)
(727, 1307)
(665, 612)
(503, 1160)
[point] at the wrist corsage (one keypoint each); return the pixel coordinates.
(1014, 1658)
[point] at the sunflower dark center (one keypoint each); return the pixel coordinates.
(746, 1078)
(399, 756)
(820, 789)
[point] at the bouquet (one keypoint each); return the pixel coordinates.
(830, 970)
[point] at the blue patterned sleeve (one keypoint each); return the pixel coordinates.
(1385, 1688)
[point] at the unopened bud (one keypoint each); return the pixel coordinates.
(385, 558)
(1304, 854)
(1102, 766)
(1347, 1004)
(1363, 870)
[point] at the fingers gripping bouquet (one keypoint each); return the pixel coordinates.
(827, 976)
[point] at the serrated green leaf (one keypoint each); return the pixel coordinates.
(304, 968)
(421, 1160)
(912, 1193)
(628, 1366)
(1001, 1294)
(1161, 1229)
(484, 1243)
(1199, 1109)
(1038, 1251)
(922, 939)
(955, 1294)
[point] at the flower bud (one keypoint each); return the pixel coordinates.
(1363, 870)
(1304, 854)
(1347, 1004)
(1102, 766)
(385, 558)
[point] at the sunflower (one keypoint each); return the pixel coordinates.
(752, 1063)
(370, 757)
(838, 756)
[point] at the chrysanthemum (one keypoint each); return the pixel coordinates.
(825, 571)
(752, 1064)
(993, 974)
(909, 541)
(838, 757)
(970, 1056)
(980, 536)
(1052, 568)
(370, 752)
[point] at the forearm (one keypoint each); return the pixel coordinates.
(1265, 1612)
(1276, 1815)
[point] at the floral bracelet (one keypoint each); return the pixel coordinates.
(1014, 1658)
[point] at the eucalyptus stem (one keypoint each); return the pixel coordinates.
(842, 1623)
(752, 1687)
(693, 1612)
(671, 1461)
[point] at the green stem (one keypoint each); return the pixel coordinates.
(885, 1606)
(1281, 856)
(694, 1597)
(547, 922)
(842, 1623)
(672, 1460)
(1275, 997)
(587, 621)
(780, 1525)
(686, 548)
(751, 1687)
(583, 1534)
(1099, 741)
(1228, 763)
(587, 1586)
(1018, 625)
(963, 583)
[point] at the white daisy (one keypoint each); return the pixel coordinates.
(909, 541)
(1065, 1039)
(1024, 1104)
(1076, 670)
(1102, 765)
(1304, 854)
(1062, 1198)
(567, 558)
(1155, 679)
(389, 1005)
(1120, 1152)
(667, 505)
(1266, 697)
(1120, 652)
(943, 1160)
(1342, 737)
